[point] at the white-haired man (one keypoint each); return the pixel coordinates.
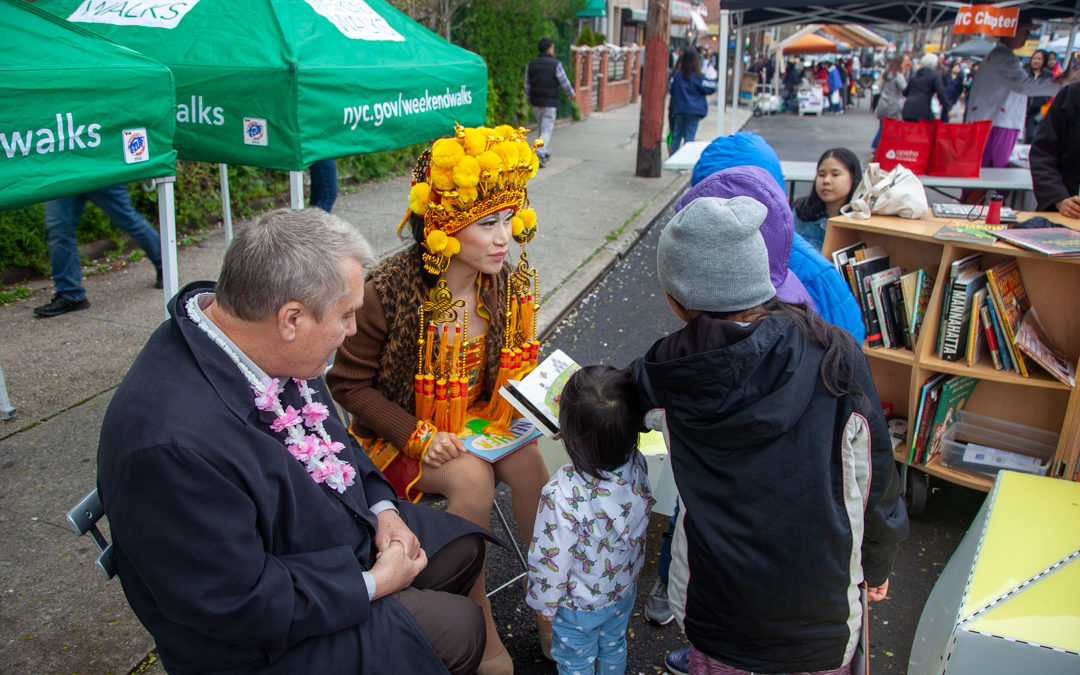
(252, 534)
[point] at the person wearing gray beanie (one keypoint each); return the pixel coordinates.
(711, 256)
(750, 387)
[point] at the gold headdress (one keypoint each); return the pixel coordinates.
(457, 182)
(462, 179)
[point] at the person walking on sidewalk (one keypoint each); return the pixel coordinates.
(543, 77)
(62, 218)
(688, 89)
(921, 88)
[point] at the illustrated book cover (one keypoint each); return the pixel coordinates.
(1056, 242)
(537, 396)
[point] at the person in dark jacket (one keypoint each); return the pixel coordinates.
(252, 533)
(1055, 155)
(954, 87)
(543, 77)
(924, 85)
(1037, 68)
(688, 88)
(789, 496)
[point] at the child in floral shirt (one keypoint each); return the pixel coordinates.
(588, 543)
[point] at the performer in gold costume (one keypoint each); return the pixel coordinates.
(443, 325)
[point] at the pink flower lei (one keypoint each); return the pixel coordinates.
(315, 450)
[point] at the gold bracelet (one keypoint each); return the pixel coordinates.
(418, 443)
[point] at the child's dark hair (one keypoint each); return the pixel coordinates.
(598, 419)
(811, 207)
(837, 370)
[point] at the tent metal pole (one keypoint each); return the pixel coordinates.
(721, 67)
(226, 206)
(296, 189)
(737, 76)
(6, 410)
(167, 229)
(1070, 45)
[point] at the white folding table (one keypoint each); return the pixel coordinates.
(1003, 179)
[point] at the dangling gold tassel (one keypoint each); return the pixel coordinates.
(457, 403)
(441, 419)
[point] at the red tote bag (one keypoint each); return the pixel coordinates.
(958, 148)
(907, 143)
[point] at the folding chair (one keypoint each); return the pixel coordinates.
(83, 518)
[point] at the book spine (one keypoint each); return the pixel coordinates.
(900, 314)
(922, 299)
(952, 337)
(993, 302)
(932, 400)
(882, 316)
(920, 421)
(1003, 277)
(945, 302)
(991, 340)
(870, 320)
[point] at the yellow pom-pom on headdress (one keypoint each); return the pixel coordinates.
(475, 141)
(446, 152)
(467, 172)
(462, 179)
(418, 198)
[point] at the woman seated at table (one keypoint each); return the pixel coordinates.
(434, 334)
(838, 172)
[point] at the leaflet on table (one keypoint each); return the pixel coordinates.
(537, 396)
(491, 444)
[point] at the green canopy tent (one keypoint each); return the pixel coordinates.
(80, 113)
(280, 84)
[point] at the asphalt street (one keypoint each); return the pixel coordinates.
(618, 320)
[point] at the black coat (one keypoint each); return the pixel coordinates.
(1055, 152)
(543, 81)
(229, 553)
(922, 86)
(790, 495)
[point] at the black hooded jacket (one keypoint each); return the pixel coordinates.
(790, 495)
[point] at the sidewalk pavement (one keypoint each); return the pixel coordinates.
(57, 612)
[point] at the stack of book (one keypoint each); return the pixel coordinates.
(942, 397)
(893, 303)
(987, 312)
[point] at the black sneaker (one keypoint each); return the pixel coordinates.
(61, 305)
(158, 280)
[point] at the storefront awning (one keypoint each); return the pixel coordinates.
(594, 8)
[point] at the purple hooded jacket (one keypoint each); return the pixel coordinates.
(777, 230)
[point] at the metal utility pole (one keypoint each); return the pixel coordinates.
(651, 129)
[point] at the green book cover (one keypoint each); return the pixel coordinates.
(955, 393)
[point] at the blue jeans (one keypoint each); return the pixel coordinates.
(683, 129)
(584, 641)
(663, 564)
(324, 184)
(62, 217)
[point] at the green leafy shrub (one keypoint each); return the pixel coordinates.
(505, 34)
(24, 253)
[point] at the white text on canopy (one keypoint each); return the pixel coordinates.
(165, 14)
(356, 20)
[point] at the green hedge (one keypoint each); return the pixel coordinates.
(505, 33)
(23, 252)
